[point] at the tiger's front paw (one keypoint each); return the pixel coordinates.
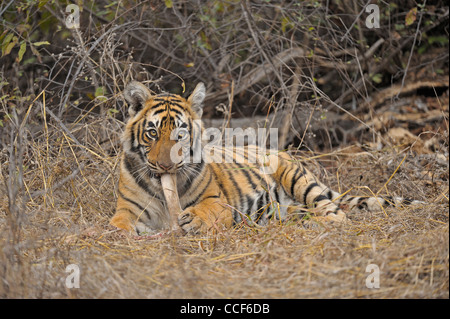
(190, 222)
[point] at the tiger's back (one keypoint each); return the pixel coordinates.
(220, 187)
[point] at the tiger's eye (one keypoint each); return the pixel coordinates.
(152, 133)
(182, 134)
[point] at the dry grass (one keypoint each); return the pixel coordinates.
(69, 225)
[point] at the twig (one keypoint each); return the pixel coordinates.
(59, 183)
(230, 106)
(6, 8)
(357, 18)
(260, 72)
(247, 16)
(387, 60)
(412, 51)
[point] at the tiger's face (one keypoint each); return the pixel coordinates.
(161, 128)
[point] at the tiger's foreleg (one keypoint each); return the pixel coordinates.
(210, 212)
(132, 216)
(124, 218)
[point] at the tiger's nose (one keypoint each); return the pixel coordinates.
(165, 166)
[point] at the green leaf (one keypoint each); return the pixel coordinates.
(112, 111)
(37, 44)
(438, 39)
(377, 78)
(23, 48)
(42, 3)
(29, 60)
(422, 49)
(10, 46)
(111, 4)
(204, 41)
(6, 42)
(168, 3)
(286, 23)
(100, 91)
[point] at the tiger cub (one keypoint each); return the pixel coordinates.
(161, 136)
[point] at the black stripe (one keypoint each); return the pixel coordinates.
(180, 106)
(130, 167)
(164, 107)
(245, 170)
(211, 196)
(142, 209)
(133, 137)
(195, 172)
(320, 198)
(259, 206)
(179, 117)
(171, 102)
(330, 194)
(363, 205)
(177, 110)
(168, 120)
(241, 150)
(221, 186)
(277, 197)
(388, 201)
(257, 176)
(360, 200)
(159, 111)
(282, 174)
(308, 189)
(336, 210)
(267, 198)
(295, 179)
(407, 201)
(135, 149)
(163, 97)
(192, 203)
(144, 125)
(236, 186)
(248, 202)
(158, 104)
(140, 132)
(192, 137)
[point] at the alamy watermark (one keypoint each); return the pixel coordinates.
(235, 145)
(73, 19)
(373, 279)
(373, 19)
(73, 279)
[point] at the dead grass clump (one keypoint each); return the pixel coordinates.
(410, 247)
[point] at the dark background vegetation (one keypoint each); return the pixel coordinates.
(367, 104)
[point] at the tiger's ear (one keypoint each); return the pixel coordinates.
(136, 95)
(196, 99)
